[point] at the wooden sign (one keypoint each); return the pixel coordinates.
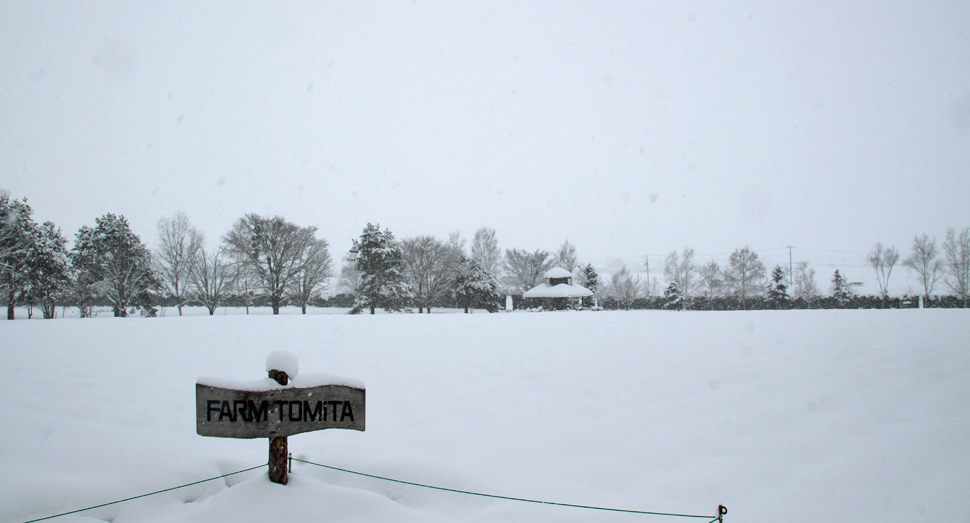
(230, 413)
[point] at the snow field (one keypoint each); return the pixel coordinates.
(779, 415)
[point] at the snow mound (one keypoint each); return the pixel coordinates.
(285, 361)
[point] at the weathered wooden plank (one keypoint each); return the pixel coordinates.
(228, 413)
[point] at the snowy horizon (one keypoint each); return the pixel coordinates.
(631, 129)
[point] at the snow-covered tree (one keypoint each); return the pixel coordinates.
(711, 280)
(485, 250)
(349, 281)
(428, 264)
(841, 290)
(12, 240)
(882, 260)
(17, 236)
(681, 271)
(315, 272)
(379, 260)
(178, 245)
(34, 267)
(211, 278)
(804, 286)
(956, 262)
(566, 257)
(113, 261)
(271, 252)
(745, 274)
(50, 268)
(473, 287)
(624, 287)
(524, 270)
(777, 295)
(589, 278)
(924, 261)
(673, 299)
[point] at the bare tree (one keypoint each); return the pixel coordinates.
(485, 250)
(804, 285)
(211, 278)
(350, 280)
(882, 261)
(566, 257)
(745, 273)
(624, 287)
(681, 271)
(711, 280)
(956, 262)
(179, 244)
(524, 270)
(272, 250)
(315, 274)
(427, 268)
(925, 263)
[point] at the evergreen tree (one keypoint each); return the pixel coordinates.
(34, 268)
(777, 297)
(673, 299)
(112, 259)
(840, 290)
(50, 268)
(473, 287)
(589, 278)
(379, 260)
(17, 236)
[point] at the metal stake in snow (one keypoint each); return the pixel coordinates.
(276, 409)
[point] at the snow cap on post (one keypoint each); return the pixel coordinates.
(285, 361)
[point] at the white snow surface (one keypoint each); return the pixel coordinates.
(283, 360)
(795, 416)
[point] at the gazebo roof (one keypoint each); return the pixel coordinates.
(563, 290)
(557, 272)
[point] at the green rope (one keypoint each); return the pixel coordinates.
(145, 495)
(507, 497)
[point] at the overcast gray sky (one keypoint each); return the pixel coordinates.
(629, 129)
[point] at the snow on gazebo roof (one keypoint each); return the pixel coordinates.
(563, 290)
(557, 272)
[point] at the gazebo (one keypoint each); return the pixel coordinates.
(558, 284)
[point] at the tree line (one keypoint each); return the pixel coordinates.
(269, 261)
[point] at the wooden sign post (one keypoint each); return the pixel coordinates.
(275, 411)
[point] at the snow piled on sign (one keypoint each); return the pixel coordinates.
(285, 361)
(800, 416)
(264, 384)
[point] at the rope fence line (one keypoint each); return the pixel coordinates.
(144, 495)
(719, 517)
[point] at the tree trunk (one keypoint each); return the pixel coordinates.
(10, 313)
(373, 310)
(180, 308)
(303, 308)
(212, 311)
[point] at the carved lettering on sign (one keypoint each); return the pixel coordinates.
(229, 413)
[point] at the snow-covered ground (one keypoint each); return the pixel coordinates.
(779, 415)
